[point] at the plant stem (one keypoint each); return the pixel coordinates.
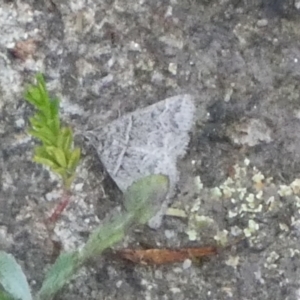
(65, 200)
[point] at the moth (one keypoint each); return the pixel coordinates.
(147, 141)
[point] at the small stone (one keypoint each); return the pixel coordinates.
(169, 12)
(283, 227)
(297, 5)
(235, 231)
(169, 234)
(228, 95)
(294, 252)
(119, 283)
(5, 238)
(20, 123)
(157, 78)
(53, 195)
(247, 162)
(186, 264)
(262, 23)
(175, 290)
(259, 195)
(172, 68)
(78, 187)
(133, 46)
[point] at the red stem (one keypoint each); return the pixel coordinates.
(66, 197)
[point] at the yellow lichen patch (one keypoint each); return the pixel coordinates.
(295, 185)
(222, 237)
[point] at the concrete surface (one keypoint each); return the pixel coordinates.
(241, 62)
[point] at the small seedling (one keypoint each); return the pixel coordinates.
(56, 149)
(57, 152)
(140, 196)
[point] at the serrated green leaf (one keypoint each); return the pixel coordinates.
(44, 161)
(54, 125)
(67, 135)
(32, 95)
(60, 140)
(44, 134)
(65, 140)
(12, 278)
(144, 197)
(74, 159)
(60, 171)
(58, 155)
(59, 274)
(37, 94)
(38, 120)
(45, 126)
(54, 107)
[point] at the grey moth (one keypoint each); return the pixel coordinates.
(145, 142)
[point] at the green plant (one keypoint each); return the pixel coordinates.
(139, 199)
(56, 150)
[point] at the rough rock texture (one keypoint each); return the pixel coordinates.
(239, 60)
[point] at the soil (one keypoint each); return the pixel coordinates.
(240, 61)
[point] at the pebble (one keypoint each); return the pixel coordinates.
(262, 23)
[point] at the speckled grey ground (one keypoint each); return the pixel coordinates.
(241, 62)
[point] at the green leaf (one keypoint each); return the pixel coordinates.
(12, 278)
(59, 274)
(139, 199)
(74, 159)
(65, 139)
(57, 142)
(37, 94)
(58, 155)
(44, 136)
(144, 197)
(60, 171)
(106, 236)
(44, 161)
(38, 120)
(68, 138)
(68, 181)
(54, 107)
(5, 296)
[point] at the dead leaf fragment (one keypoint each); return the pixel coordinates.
(165, 256)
